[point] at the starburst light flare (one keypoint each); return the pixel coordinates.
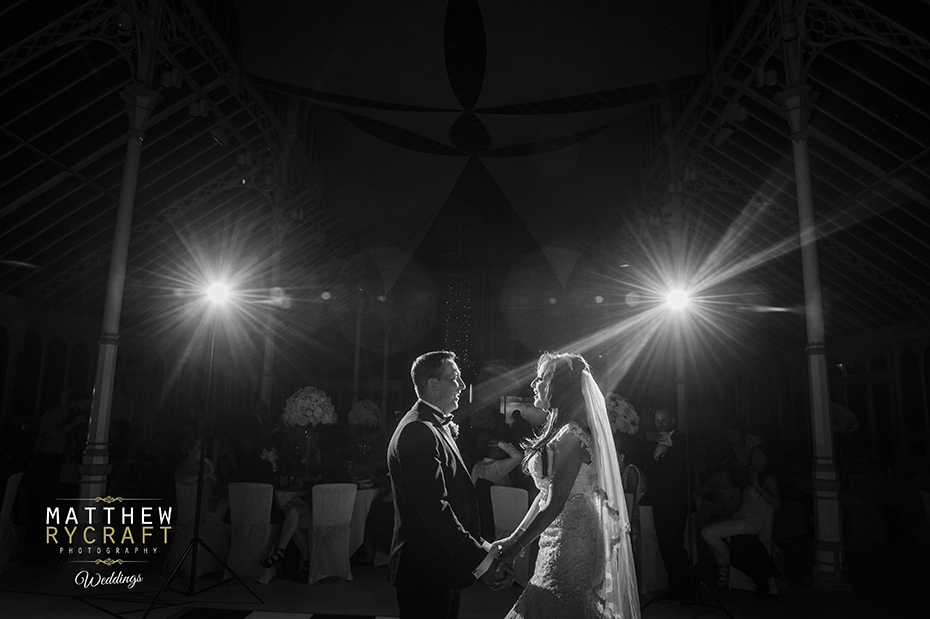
(218, 292)
(677, 299)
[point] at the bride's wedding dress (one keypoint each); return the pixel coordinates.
(570, 564)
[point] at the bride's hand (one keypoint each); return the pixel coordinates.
(506, 549)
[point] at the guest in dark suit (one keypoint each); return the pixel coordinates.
(669, 493)
(437, 549)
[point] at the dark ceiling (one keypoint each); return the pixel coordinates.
(513, 285)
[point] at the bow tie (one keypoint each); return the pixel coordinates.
(446, 420)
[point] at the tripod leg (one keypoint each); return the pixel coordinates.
(226, 567)
(171, 576)
(716, 601)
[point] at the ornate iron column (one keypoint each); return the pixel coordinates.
(140, 102)
(797, 101)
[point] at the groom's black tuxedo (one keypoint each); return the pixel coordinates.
(436, 543)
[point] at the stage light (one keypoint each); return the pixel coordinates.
(218, 292)
(677, 299)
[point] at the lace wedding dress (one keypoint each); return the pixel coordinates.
(571, 556)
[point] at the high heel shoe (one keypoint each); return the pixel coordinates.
(723, 577)
(276, 557)
(304, 572)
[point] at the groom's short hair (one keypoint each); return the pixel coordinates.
(427, 366)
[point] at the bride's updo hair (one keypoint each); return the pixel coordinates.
(566, 400)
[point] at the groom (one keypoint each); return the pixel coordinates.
(437, 550)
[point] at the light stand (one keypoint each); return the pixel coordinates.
(692, 590)
(196, 540)
(677, 300)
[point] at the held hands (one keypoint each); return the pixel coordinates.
(498, 576)
(506, 549)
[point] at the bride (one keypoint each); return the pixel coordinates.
(585, 562)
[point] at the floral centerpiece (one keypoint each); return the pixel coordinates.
(620, 413)
(365, 413)
(844, 420)
(308, 408)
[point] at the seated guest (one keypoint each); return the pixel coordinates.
(760, 497)
(717, 484)
(499, 459)
(187, 472)
(741, 443)
(250, 466)
(298, 513)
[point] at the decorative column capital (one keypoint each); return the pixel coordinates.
(797, 103)
(140, 102)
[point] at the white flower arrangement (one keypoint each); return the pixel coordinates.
(308, 406)
(621, 414)
(365, 413)
(844, 420)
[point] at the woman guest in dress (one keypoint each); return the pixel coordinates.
(585, 563)
(760, 497)
(298, 513)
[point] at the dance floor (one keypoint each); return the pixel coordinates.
(40, 592)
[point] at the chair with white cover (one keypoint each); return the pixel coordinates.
(654, 577)
(329, 538)
(509, 505)
(213, 531)
(363, 501)
(7, 530)
(253, 535)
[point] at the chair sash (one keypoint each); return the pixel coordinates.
(329, 540)
(252, 538)
(250, 544)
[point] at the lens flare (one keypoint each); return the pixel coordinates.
(218, 292)
(677, 299)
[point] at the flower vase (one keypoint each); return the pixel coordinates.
(310, 438)
(364, 445)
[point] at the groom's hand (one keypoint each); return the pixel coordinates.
(498, 576)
